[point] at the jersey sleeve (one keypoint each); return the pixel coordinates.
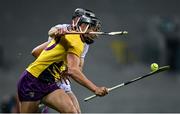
(75, 45)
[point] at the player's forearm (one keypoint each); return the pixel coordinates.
(37, 50)
(79, 77)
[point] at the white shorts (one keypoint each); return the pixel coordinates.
(64, 86)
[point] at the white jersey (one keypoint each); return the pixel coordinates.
(85, 50)
(63, 85)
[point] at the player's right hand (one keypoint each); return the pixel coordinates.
(61, 31)
(101, 91)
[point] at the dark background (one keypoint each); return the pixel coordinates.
(110, 60)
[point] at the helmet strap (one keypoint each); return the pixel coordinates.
(74, 24)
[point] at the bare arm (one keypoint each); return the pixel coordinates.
(53, 32)
(37, 50)
(81, 64)
(78, 76)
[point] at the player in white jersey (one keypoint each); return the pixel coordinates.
(61, 29)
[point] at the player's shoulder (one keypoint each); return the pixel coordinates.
(73, 37)
(74, 40)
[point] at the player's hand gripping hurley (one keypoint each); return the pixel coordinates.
(161, 69)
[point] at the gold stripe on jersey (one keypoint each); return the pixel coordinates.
(56, 52)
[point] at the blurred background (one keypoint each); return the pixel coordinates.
(153, 27)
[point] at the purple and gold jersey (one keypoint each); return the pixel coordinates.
(54, 55)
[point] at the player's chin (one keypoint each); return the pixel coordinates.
(89, 40)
